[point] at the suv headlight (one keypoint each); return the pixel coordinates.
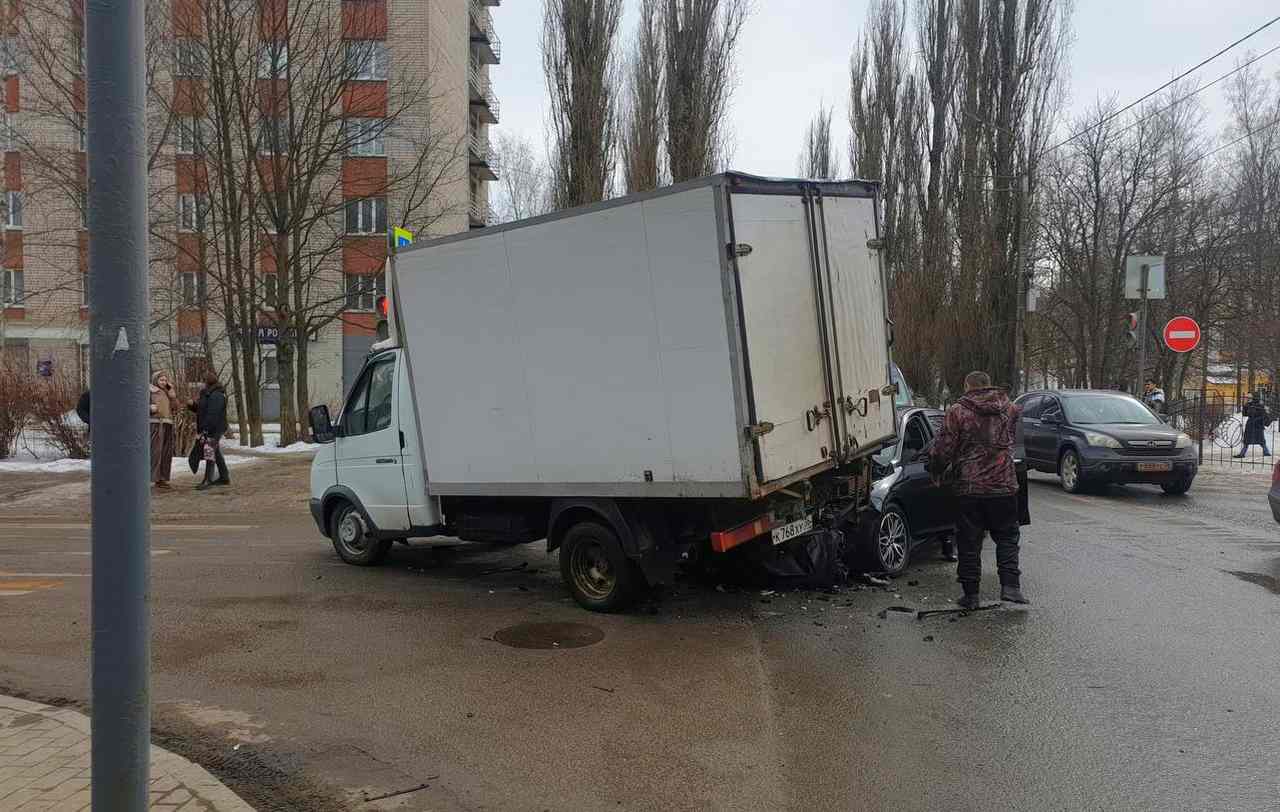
(1185, 441)
(1101, 440)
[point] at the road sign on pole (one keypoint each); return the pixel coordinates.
(1182, 334)
(1144, 273)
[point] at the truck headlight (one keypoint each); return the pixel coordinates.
(1185, 441)
(1101, 440)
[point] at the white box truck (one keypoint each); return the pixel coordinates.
(639, 382)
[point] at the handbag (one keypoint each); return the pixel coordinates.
(210, 450)
(196, 455)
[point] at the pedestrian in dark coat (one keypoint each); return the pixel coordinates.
(975, 449)
(164, 405)
(211, 423)
(1256, 421)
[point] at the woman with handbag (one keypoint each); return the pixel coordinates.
(211, 424)
(164, 402)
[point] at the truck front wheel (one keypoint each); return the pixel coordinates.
(351, 538)
(598, 573)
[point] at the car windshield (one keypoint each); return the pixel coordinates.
(1088, 410)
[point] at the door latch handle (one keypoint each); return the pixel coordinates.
(383, 460)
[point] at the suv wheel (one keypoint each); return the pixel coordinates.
(891, 550)
(1070, 472)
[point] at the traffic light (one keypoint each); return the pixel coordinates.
(383, 330)
(1131, 328)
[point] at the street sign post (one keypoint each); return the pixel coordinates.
(1143, 280)
(1182, 334)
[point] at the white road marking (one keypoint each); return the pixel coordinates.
(43, 575)
(86, 526)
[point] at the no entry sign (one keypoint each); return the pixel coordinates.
(1182, 334)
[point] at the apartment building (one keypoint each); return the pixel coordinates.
(445, 46)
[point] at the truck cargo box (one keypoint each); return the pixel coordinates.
(721, 338)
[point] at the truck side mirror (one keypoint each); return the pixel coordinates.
(321, 425)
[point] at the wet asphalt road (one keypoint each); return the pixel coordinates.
(1144, 676)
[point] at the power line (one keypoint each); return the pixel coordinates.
(1172, 81)
(1198, 90)
(1232, 143)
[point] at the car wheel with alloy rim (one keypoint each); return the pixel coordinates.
(892, 550)
(1070, 472)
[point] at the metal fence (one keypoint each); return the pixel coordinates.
(1217, 423)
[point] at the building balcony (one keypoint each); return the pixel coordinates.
(483, 162)
(483, 100)
(485, 44)
(481, 214)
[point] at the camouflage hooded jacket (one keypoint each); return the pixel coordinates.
(977, 444)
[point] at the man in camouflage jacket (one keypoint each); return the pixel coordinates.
(975, 451)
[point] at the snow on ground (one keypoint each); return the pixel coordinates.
(272, 447)
(69, 466)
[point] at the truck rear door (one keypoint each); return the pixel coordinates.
(860, 329)
(783, 338)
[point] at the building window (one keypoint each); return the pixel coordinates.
(363, 291)
(273, 60)
(190, 136)
(367, 59)
(84, 290)
(11, 286)
(367, 216)
(273, 135)
(189, 58)
(10, 56)
(13, 210)
(78, 43)
(191, 288)
(191, 209)
(82, 200)
(270, 374)
(270, 290)
(81, 131)
(366, 137)
(8, 131)
(195, 367)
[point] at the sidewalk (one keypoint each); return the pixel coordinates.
(44, 764)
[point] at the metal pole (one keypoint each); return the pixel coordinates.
(119, 341)
(1142, 329)
(1019, 329)
(1204, 393)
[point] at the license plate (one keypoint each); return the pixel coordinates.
(792, 529)
(1155, 467)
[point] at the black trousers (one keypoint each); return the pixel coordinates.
(997, 515)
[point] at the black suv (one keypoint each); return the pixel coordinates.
(1099, 438)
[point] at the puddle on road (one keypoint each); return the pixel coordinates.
(549, 635)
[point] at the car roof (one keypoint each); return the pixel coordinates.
(1070, 393)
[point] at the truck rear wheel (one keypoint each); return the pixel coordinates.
(598, 573)
(351, 540)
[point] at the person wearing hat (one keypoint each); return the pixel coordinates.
(164, 402)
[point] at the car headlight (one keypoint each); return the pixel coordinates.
(1185, 441)
(1101, 440)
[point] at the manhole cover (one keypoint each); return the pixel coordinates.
(549, 635)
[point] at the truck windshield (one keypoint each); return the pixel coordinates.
(1090, 410)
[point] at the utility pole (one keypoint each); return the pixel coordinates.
(120, 349)
(1144, 288)
(1023, 278)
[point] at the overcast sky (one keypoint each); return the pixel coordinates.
(793, 60)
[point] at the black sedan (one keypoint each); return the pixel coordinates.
(1101, 438)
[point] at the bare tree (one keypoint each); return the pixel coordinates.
(701, 37)
(818, 158)
(522, 186)
(580, 66)
(643, 119)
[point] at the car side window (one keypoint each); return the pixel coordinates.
(1051, 406)
(1031, 406)
(917, 436)
(369, 408)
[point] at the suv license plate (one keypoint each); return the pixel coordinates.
(1155, 467)
(792, 529)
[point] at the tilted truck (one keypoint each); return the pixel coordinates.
(640, 382)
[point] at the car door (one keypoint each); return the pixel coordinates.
(915, 490)
(1042, 446)
(367, 447)
(1031, 406)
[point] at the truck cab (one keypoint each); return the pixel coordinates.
(367, 485)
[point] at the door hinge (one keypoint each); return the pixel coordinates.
(741, 249)
(876, 244)
(757, 430)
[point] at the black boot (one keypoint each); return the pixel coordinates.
(949, 550)
(968, 600)
(1012, 594)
